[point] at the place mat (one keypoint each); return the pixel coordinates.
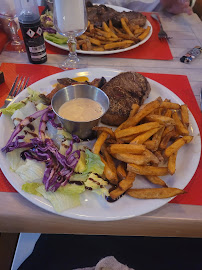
(179, 84)
(3, 40)
(152, 49)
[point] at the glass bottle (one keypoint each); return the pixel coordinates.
(30, 24)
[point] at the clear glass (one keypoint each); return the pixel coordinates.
(8, 16)
(70, 20)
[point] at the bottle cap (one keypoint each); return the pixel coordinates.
(27, 11)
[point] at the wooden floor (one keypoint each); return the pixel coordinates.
(8, 242)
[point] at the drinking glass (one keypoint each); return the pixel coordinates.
(70, 20)
(8, 16)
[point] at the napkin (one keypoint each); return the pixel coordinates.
(178, 84)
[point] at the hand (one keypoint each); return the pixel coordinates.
(177, 6)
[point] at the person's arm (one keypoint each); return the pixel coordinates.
(179, 6)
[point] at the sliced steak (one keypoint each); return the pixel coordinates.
(123, 90)
(101, 13)
(63, 82)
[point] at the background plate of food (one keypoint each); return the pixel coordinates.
(116, 30)
(94, 206)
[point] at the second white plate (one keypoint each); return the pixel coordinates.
(119, 9)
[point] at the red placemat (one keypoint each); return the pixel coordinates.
(3, 39)
(179, 84)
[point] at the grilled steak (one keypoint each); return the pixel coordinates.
(97, 82)
(123, 90)
(101, 13)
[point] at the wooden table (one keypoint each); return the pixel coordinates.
(19, 215)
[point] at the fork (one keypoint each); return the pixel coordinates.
(16, 88)
(162, 34)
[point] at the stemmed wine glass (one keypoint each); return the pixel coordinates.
(8, 15)
(70, 19)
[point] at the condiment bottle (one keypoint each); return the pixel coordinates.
(30, 24)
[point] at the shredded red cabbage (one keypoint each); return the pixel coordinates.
(50, 30)
(59, 167)
(22, 124)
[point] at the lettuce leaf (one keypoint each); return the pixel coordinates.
(93, 163)
(80, 177)
(41, 106)
(56, 38)
(10, 109)
(31, 188)
(71, 189)
(31, 171)
(97, 184)
(34, 95)
(14, 159)
(81, 165)
(61, 201)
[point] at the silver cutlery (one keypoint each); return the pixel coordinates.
(16, 88)
(162, 34)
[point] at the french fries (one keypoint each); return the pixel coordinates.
(147, 170)
(126, 148)
(109, 37)
(123, 186)
(185, 115)
(145, 33)
(136, 130)
(101, 139)
(154, 193)
(146, 144)
(121, 172)
(172, 163)
(109, 174)
(110, 163)
(156, 180)
(130, 158)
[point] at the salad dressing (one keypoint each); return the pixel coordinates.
(81, 110)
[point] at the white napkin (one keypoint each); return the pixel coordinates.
(107, 263)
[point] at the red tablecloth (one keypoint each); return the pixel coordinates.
(179, 84)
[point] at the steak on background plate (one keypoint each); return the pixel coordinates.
(101, 13)
(123, 90)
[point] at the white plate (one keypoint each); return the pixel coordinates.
(120, 9)
(95, 207)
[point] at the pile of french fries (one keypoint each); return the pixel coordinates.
(146, 144)
(109, 37)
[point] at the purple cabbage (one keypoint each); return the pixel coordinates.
(51, 118)
(59, 167)
(22, 124)
(50, 30)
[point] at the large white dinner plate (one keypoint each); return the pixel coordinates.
(120, 9)
(94, 207)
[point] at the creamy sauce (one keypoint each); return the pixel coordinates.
(81, 110)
